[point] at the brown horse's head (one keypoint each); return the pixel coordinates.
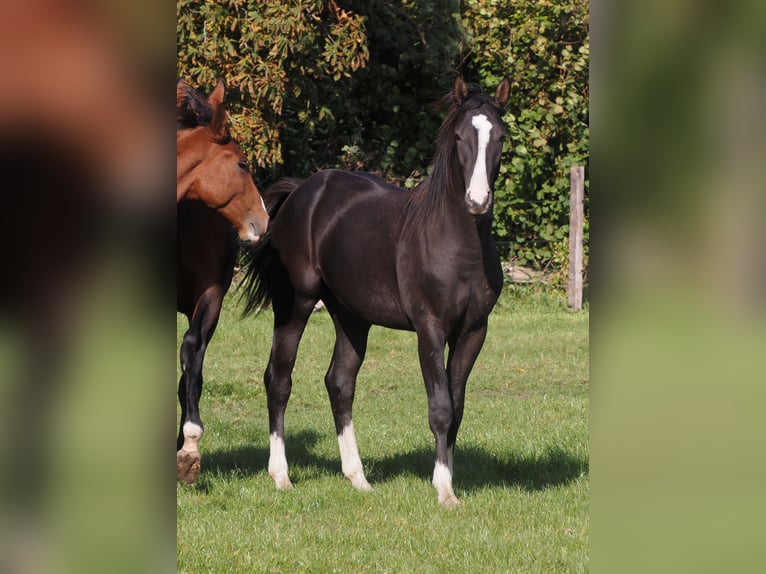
(210, 167)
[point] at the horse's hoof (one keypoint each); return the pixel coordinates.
(361, 484)
(188, 466)
(450, 502)
(282, 482)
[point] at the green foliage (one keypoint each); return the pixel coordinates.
(543, 47)
(270, 53)
(316, 84)
(414, 48)
(379, 119)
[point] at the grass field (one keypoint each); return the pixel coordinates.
(521, 462)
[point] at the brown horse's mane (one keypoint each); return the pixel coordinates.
(192, 108)
(426, 197)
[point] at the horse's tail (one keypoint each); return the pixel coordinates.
(256, 286)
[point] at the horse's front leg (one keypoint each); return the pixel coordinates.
(463, 352)
(440, 410)
(195, 341)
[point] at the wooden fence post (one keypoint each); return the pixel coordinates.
(576, 193)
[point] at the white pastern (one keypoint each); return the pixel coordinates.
(278, 462)
(192, 435)
(478, 188)
(443, 482)
(350, 461)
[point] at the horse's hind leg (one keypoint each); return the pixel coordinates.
(350, 347)
(290, 319)
(201, 329)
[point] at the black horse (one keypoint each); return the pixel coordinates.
(422, 260)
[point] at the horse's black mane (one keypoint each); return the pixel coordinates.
(192, 108)
(426, 197)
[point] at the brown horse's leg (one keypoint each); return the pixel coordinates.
(201, 329)
(340, 380)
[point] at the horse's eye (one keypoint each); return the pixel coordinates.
(242, 165)
(457, 137)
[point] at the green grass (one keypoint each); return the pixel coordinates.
(521, 462)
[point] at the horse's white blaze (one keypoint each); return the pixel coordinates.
(278, 462)
(478, 187)
(192, 435)
(253, 233)
(442, 480)
(349, 458)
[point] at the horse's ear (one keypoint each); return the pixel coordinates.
(503, 93)
(460, 90)
(219, 123)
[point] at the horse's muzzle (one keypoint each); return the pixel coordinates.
(478, 208)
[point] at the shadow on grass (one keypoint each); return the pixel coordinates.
(474, 467)
(249, 460)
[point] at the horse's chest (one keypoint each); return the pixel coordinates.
(451, 290)
(479, 298)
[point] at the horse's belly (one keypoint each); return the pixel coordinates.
(374, 302)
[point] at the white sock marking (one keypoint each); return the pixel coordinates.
(442, 480)
(278, 462)
(350, 461)
(478, 187)
(192, 435)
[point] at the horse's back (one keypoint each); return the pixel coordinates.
(355, 204)
(338, 232)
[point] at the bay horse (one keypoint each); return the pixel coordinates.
(210, 167)
(207, 251)
(422, 260)
(217, 203)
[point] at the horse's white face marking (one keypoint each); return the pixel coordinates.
(278, 462)
(349, 457)
(478, 187)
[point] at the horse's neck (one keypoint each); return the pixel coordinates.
(448, 216)
(481, 224)
(452, 219)
(458, 215)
